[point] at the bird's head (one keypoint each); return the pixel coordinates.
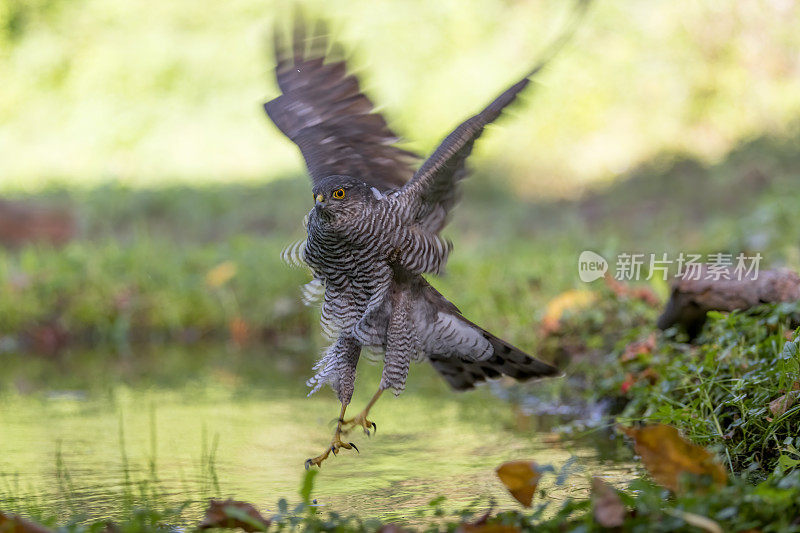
(336, 196)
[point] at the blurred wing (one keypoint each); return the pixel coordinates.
(324, 112)
(434, 188)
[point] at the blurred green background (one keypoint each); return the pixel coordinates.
(150, 92)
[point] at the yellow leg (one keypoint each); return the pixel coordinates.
(336, 443)
(361, 418)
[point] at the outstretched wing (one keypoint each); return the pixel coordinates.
(434, 188)
(324, 112)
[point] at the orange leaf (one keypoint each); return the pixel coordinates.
(520, 478)
(608, 508)
(667, 455)
(232, 514)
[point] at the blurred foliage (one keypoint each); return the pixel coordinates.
(734, 391)
(720, 392)
(19, 16)
(153, 92)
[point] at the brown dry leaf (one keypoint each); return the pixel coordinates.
(220, 274)
(231, 514)
(666, 455)
(607, 507)
(520, 478)
(781, 404)
(10, 523)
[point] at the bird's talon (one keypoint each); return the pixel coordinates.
(354, 447)
(359, 420)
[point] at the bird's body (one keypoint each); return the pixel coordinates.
(370, 260)
(375, 230)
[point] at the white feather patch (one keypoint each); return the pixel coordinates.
(313, 292)
(295, 254)
(449, 335)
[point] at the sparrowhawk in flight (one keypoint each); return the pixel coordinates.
(375, 229)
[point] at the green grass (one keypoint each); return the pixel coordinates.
(770, 505)
(719, 393)
(716, 392)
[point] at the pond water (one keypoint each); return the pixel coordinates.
(90, 433)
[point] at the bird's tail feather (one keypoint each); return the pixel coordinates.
(507, 360)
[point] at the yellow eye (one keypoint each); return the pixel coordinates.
(338, 194)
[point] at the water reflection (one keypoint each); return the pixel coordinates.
(93, 432)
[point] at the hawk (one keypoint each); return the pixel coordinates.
(375, 230)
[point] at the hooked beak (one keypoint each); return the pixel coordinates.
(320, 200)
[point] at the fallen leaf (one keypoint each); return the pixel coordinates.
(231, 514)
(781, 404)
(667, 455)
(520, 478)
(220, 274)
(607, 507)
(10, 523)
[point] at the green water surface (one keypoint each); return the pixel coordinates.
(89, 434)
